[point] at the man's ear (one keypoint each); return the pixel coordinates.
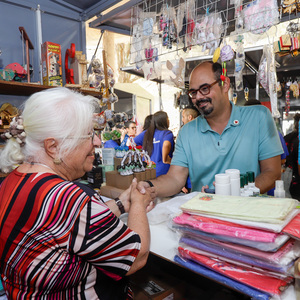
(190, 117)
(227, 83)
(51, 147)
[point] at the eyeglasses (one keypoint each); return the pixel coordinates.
(92, 135)
(204, 89)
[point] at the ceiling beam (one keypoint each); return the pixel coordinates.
(110, 15)
(68, 5)
(113, 27)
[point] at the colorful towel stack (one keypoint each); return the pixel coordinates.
(249, 244)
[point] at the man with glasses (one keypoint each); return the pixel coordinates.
(225, 136)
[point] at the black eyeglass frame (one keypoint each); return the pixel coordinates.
(193, 93)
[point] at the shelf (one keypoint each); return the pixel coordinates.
(20, 88)
(29, 88)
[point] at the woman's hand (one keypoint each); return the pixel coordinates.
(142, 188)
(137, 197)
(125, 198)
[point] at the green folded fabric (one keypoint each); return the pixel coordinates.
(259, 209)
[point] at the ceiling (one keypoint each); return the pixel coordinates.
(111, 15)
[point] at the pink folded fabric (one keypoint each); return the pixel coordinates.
(258, 280)
(220, 227)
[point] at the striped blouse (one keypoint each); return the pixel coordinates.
(58, 240)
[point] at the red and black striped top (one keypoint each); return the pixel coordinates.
(58, 240)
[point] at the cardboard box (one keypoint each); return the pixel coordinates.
(152, 173)
(117, 162)
(110, 191)
(140, 176)
(113, 178)
(51, 64)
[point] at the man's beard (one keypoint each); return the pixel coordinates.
(204, 111)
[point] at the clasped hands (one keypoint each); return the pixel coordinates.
(139, 192)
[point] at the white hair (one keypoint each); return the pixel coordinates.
(59, 113)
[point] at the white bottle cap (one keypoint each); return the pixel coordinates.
(233, 173)
(222, 178)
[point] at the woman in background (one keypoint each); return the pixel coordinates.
(158, 141)
(147, 122)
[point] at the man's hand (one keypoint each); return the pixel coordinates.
(137, 196)
(144, 187)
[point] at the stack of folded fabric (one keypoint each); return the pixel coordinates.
(249, 244)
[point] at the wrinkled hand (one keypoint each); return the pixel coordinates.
(125, 198)
(144, 186)
(137, 196)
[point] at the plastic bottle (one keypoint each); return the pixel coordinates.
(242, 183)
(246, 181)
(234, 181)
(251, 184)
(222, 184)
(279, 191)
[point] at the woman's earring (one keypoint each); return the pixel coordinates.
(57, 161)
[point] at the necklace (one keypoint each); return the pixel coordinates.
(39, 164)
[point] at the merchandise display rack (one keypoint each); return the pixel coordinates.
(211, 20)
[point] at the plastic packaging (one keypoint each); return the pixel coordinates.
(221, 227)
(245, 289)
(254, 278)
(270, 247)
(211, 250)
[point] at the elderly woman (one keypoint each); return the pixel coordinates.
(58, 239)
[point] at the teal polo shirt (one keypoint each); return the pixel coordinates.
(249, 137)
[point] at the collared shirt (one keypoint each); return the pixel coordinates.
(249, 137)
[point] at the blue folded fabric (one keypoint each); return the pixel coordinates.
(253, 293)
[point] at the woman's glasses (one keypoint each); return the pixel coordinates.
(92, 135)
(204, 89)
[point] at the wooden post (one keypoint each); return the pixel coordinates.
(105, 93)
(28, 46)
